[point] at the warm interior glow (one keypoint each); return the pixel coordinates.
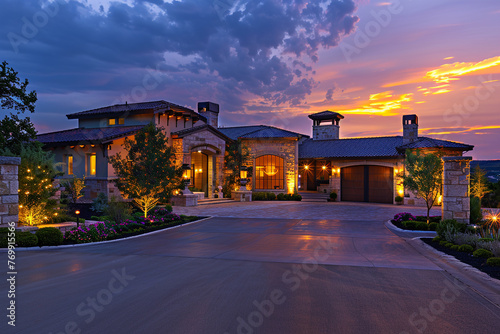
(243, 174)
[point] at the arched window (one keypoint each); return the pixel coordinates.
(269, 173)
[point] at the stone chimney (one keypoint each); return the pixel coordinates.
(211, 111)
(326, 125)
(410, 128)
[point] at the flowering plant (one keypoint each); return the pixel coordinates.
(403, 216)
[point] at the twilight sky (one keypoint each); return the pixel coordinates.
(268, 62)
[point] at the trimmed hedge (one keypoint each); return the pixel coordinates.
(481, 252)
(269, 196)
(415, 225)
(493, 261)
(26, 239)
(49, 236)
(466, 248)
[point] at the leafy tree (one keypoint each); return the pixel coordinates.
(479, 184)
(237, 155)
(425, 176)
(36, 174)
(13, 94)
(74, 187)
(15, 131)
(148, 169)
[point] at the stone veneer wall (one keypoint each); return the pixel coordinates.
(284, 148)
(9, 185)
(456, 188)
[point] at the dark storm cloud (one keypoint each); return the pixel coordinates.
(262, 48)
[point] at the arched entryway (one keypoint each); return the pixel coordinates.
(203, 161)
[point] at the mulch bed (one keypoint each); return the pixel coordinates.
(476, 262)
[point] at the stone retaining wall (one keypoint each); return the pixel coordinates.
(9, 185)
(456, 189)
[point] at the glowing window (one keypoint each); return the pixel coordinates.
(269, 173)
(111, 121)
(70, 164)
(121, 121)
(91, 164)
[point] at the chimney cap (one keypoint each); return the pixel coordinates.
(325, 116)
(412, 118)
(208, 106)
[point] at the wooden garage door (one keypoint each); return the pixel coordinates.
(367, 184)
(352, 183)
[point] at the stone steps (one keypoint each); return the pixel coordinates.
(208, 201)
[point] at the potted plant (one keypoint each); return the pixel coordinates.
(333, 196)
(399, 200)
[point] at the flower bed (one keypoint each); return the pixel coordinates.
(102, 231)
(407, 221)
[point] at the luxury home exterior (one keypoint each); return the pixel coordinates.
(358, 169)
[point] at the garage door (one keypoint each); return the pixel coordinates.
(367, 184)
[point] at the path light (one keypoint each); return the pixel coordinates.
(77, 213)
(243, 177)
(187, 178)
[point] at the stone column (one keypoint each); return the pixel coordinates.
(9, 185)
(456, 189)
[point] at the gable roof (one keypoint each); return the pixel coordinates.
(186, 132)
(87, 136)
(135, 108)
(259, 131)
(370, 147)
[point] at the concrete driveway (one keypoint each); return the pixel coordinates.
(247, 275)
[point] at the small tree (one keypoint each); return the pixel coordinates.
(74, 187)
(149, 167)
(146, 203)
(237, 155)
(36, 175)
(479, 183)
(425, 176)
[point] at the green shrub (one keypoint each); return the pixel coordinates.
(466, 248)
(333, 196)
(399, 199)
(455, 247)
(296, 197)
(281, 197)
(450, 244)
(288, 197)
(414, 225)
(476, 214)
(118, 211)
(437, 238)
(432, 226)
(100, 203)
(49, 236)
(493, 261)
(259, 196)
(26, 239)
(487, 239)
(271, 196)
(443, 242)
(169, 208)
(481, 252)
(450, 224)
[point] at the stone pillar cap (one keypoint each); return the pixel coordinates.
(10, 161)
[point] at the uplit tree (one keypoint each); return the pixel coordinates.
(148, 170)
(479, 184)
(424, 177)
(36, 175)
(74, 188)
